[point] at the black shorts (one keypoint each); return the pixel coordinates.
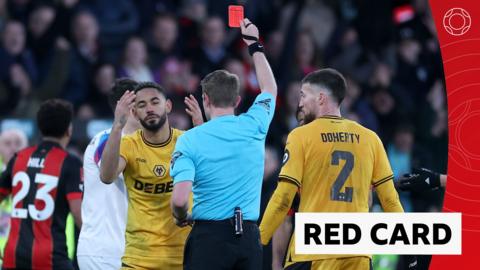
(213, 245)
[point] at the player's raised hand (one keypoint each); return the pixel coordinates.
(249, 31)
(123, 108)
(193, 109)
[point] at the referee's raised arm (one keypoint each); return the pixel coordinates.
(265, 77)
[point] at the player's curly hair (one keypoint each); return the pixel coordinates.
(54, 117)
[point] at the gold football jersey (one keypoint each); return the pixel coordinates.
(334, 162)
(151, 232)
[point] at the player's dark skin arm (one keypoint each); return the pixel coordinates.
(76, 210)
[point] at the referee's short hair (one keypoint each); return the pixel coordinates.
(119, 88)
(221, 87)
(329, 79)
(54, 117)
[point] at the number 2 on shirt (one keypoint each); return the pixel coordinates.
(335, 194)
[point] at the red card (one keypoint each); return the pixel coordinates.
(235, 15)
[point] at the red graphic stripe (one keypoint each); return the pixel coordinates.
(42, 252)
(461, 58)
(15, 223)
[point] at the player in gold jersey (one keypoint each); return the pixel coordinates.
(333, 162)
(153, 241)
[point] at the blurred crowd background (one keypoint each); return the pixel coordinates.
(74, 49)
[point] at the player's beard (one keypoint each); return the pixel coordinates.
(308, 117)
(155, 126)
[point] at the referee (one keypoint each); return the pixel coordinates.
(223, 160)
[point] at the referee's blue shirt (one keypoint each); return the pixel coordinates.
(224, 158)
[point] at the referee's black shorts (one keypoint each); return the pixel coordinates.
(213, 245)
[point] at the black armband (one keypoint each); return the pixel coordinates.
(255, 47)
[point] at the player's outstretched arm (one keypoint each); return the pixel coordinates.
(112, 164)
(265, 77)
(193, 109)
(280, 241)
(420, 180)
(277, 209)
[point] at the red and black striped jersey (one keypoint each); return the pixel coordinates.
(41, 180)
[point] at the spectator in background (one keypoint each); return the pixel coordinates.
(11, 141)
(306, 55)
(412, 72)
(148, 9)
(399, 154)
(177, 77)
(3, 13)
(18, 71)
(432, 125)
(192, 14)
(273, 48)
(134, 62)
(288, 118)
(51, 53)
(212, 52)
(236, 67)
(163, 37)
(384, 106)
(96, 105)
(19, 9)
(349, 55)
(86, 53)
(355, 107)
(118, 19)
(173, 72)
(404, 155)
(41, 35)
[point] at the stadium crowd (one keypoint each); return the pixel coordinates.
(74, 49)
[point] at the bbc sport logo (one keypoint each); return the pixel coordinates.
(378, 233)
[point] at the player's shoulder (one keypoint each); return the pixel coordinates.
(71, 162)
(177, 132)
(366, 132)
(94, 150)
(133, 137)
(99, 138)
